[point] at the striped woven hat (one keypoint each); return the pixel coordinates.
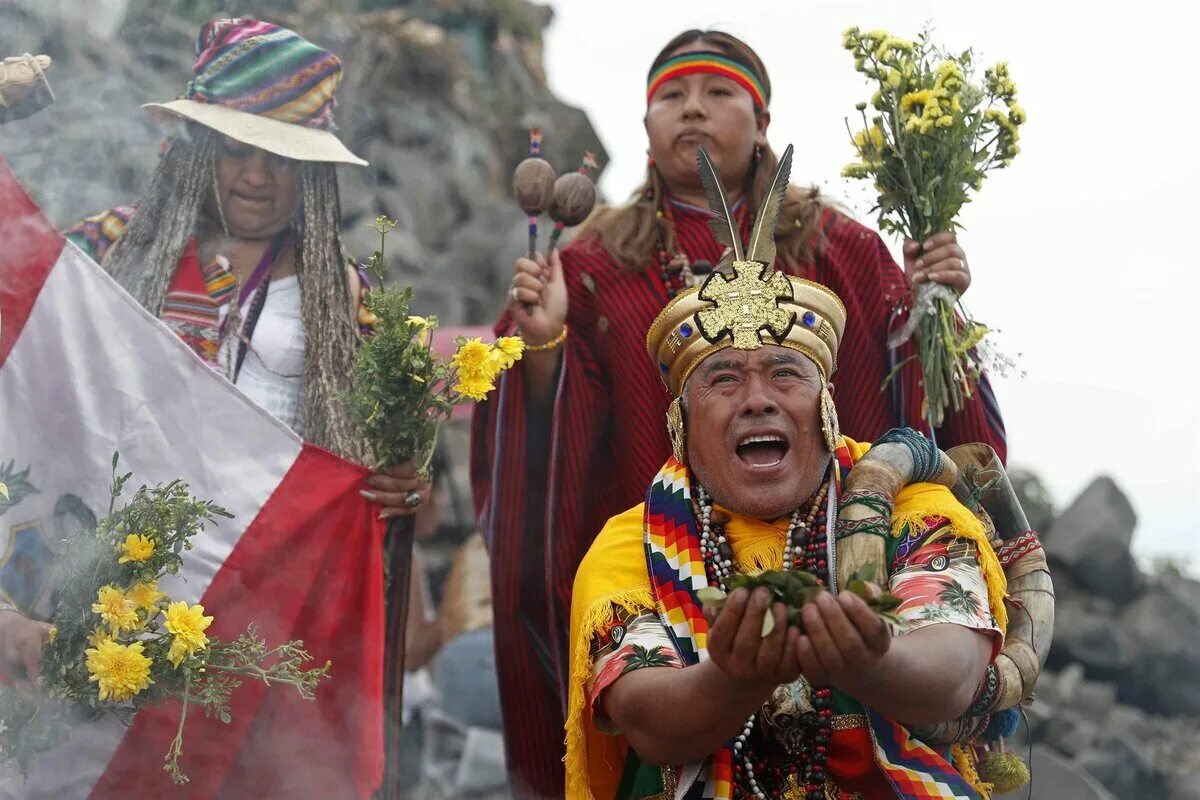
(265, 86)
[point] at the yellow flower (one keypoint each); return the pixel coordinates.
(476, 367)
(509, 350)
(52, 633)
(877, 35)
(475, 387)
(420, 322)
(1017, 114)
(889, 43)
(186, 625)
(858, 170)
(122, 670)
(893, 77)
(869, 142)
(100, 636)
(117, 610)
(366, 317)
(944, 122)
(145, 595)
(136, 548)
(926, 125)
(949, 76)
(473, 357)
(919, 98)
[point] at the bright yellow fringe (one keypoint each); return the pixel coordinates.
(964, 762)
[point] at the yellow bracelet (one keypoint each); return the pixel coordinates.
(553, 344)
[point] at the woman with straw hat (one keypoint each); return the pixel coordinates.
(235, 244)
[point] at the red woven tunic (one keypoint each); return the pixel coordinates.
(542, 498)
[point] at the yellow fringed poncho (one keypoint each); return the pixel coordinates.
(614, 573)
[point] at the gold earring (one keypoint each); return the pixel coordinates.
(675, 430)
(829, 420)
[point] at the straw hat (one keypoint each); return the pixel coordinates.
(265, 86)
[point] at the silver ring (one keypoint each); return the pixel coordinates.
(412, 499)
(514, 295)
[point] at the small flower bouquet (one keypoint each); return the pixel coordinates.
(120, 645)
(402, 390)
(931, 136)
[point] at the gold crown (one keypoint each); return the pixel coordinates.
(750, 306)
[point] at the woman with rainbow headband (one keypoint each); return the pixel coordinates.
(574, 434)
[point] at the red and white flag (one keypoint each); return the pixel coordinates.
(85, 371)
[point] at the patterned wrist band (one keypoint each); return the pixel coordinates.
(876, 501)
(553, 344)
(877, 526)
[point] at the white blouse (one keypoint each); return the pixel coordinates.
(272, 373)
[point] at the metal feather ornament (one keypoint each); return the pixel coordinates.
(744, 290)
(761, 246)
(723, 225)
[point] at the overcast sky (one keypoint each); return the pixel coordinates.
(1083, 253)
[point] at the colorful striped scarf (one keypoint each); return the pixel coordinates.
(672, 541)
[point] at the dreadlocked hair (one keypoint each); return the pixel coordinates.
(330, 332)
(630, 233)
(144, 259)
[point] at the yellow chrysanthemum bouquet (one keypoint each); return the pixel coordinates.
(929, 137)
(403, 390)
(120, 644)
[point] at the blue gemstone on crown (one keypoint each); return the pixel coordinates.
(663, 366)
(685, 330)
(809, 318)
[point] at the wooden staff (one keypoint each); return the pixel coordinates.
(398, 550)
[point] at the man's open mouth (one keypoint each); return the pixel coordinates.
(763, 450)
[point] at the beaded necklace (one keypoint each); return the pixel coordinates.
(804, 548)
(674, 269)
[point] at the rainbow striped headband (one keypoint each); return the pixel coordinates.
(708, 62)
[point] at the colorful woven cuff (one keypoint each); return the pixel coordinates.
(878, 526)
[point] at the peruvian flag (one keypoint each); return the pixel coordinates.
(84, 372)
